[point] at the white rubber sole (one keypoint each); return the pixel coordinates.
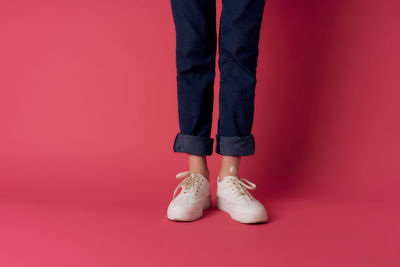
(183, 216)
(226, 207)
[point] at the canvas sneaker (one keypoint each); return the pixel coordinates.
(234, 199)
(194, 197)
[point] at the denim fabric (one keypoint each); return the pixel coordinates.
(196, 45)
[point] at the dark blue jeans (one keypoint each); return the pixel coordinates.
(196, 43)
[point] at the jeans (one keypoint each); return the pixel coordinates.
(196, 43)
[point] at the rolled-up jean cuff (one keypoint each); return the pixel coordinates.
(235, 145)
(192, 144)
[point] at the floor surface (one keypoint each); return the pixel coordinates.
(301, 232)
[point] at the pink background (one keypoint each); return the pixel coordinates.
(88, 115)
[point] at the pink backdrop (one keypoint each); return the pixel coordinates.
(88, 114)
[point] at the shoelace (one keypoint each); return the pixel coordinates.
(191, 182)
(239, 185)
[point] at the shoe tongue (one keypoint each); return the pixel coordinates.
(190, 183)
(242, 190)
(233, 177)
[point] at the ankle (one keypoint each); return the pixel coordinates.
(232, 170)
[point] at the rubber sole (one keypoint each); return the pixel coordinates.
(179, 216)
(225, 207)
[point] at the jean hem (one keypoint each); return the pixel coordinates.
(235, 145)
(193, 144)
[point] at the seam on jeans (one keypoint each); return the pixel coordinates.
(222, 102)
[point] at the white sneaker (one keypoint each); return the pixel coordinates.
(233, 198)
(192, 200)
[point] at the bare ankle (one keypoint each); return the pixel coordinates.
(228, 168)
(198, 164)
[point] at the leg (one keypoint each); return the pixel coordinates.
(226, 163)
(238, 52)
(195, 25)
(198, 164)
(239, 35)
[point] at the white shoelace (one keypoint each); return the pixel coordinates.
(239, 186)
(192, 182)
